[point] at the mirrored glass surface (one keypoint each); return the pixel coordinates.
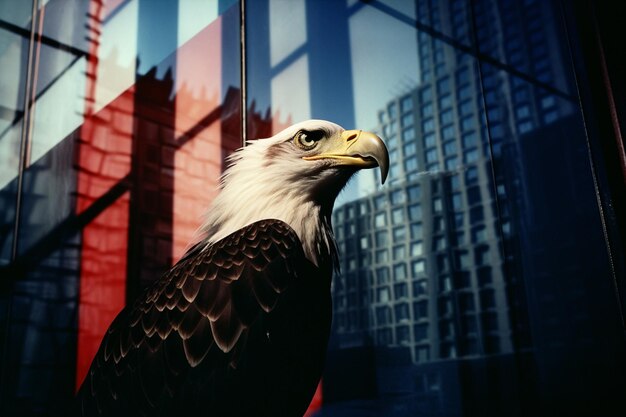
(461, 283)
(133, 107)
(14, 51)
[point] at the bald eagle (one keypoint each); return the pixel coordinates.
(240, 325)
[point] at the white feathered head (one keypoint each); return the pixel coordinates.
(295, 177)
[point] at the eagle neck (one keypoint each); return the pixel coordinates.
(310, 220)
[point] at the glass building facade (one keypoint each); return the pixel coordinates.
(485, 278)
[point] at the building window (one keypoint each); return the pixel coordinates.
(382, 275)
(467, 123)
(403, 336)
(445, 283)
(399, 252)
(410, 164)
(445, 306)
(446, 329)
(422, 354)
(384, 337)
(470, 140)
(458, 220)
(525, 126)
(380, 220)
(438, 224)
(452, 163)
(420, 310)
(383, 315)
(462, 279)
(446, 117)
(409, 150)
(399, 234)
(418, 268)
(462, 259)
(468, 323)
(466, 303)
(431, 155)
(471, 176)
(484, 275)
(490, 322)
(397, 197)
(462, 76)
(448, 132)
(437, 205)
(413, 192)
(415, 212)
(466, 108)
(399, 272)
(351, 264)
(464, 92)
(471, 156)
(426, 93)
(442, 263)
(402, 312)
(408, 134)
(407, 120)
(443, 85)
(393, 110)
(428, 125)
(487, 299)
(420, 288)
(429, 140)
(427, 110)
(473, 195)
(381, 239)
(522, 112)
(421, 331)
(449, 148)
(416, 231)
(476, 214)
(382, 295)
(406, 104)
(382, 256)
(439, 243)
(401, 290)
(479, 234)
(548, 102)
(481, 255)
(417, 248)
(445, 101)
(380, 202)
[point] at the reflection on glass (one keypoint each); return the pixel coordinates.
(15, 19)
(133, 112)
(446, 303)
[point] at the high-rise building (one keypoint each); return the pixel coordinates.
(423, 260)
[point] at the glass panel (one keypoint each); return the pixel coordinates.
(135, 107)
(14, 34)
(525, 38)
(539, 153)
(14, 51)
(476, 177)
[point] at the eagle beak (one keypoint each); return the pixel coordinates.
(358, 149)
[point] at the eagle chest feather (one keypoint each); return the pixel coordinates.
(237, 328)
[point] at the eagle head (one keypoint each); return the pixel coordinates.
(295, 177)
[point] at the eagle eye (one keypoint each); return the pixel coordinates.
(307, 140)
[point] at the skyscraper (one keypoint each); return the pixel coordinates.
(423, 261)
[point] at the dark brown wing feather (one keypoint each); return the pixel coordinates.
(236, 328)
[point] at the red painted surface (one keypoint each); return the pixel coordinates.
(103, 160)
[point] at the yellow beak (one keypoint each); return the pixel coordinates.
(358, 149)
